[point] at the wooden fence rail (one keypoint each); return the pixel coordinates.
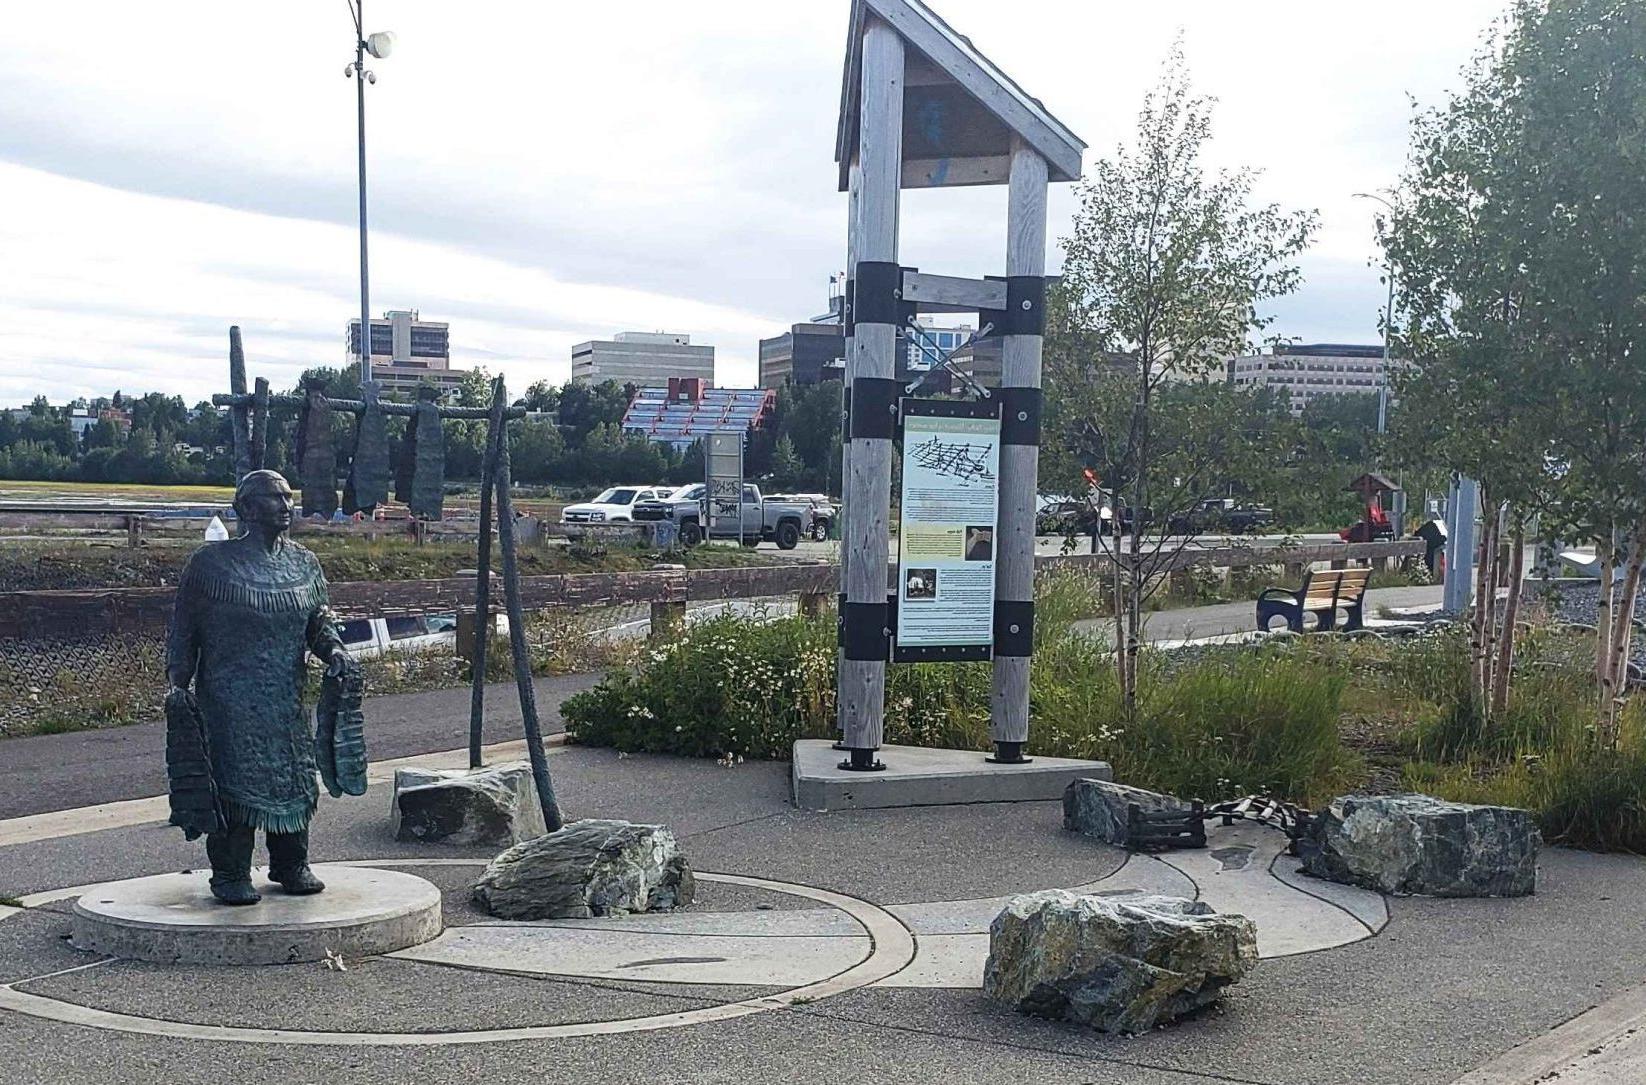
(38, 615)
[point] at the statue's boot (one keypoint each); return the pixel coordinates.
(230, 855)
(289, 863)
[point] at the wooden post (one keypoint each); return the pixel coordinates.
(259, 424)
(668, 619)
(482, 579)
(1019, 451)
(517, 643)
(854, 195)
(134, 530)
(240, 416)
(871, 365)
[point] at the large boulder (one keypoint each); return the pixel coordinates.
(1115, 965)
(589, 868)
(494, 806)
(1423, 845)
(1098, 807)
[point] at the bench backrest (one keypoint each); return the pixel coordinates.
(1321, 587)
(1352, 586)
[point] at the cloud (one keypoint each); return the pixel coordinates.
(542, 174)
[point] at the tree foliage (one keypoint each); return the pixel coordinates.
(1521, 245)
(1163, 276)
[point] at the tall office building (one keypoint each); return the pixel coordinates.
(1305, 372)
(407, 351)
(647, 359)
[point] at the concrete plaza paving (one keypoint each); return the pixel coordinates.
(1412, 990)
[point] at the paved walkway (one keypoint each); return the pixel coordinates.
(824, 947)
(1381, 993)
(1222, 618)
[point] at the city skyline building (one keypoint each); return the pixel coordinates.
(1305, 372)
(407, 351)
(648, 359)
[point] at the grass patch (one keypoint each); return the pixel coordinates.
(37, 566)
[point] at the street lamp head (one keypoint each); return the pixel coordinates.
(380, 44)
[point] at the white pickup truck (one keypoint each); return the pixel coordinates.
(367, 638)
(614, 505)
(763, 518)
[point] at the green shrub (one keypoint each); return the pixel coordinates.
(1237, 723)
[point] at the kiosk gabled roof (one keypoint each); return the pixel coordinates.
(960, 110)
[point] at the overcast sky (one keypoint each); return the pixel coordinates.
(545, 173)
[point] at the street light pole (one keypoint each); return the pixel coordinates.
(1388, 324)
(378, 46)
(360, 112)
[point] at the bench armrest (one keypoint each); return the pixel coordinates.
(1287, 593)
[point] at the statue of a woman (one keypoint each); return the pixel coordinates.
(247, 612)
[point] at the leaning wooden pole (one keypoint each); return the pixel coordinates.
(876, 284)
(517, 640)
(1020, 397)
(482, 579)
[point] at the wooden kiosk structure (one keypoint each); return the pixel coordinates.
(921, 107)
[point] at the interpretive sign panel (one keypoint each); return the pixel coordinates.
(946, 536)
(724, 497)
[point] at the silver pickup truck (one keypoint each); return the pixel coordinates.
(764, 519)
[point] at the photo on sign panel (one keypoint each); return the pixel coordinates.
(920, 584)
(980, 542)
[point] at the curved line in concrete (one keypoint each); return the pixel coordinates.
(892, 949)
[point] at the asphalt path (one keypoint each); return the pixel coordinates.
(39, 773)
(1241, 617)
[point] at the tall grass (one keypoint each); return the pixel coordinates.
(1230, 725)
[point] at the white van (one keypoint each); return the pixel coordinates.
(367, 638)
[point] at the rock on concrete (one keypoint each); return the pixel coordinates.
(1417, 844)
(1117, 966)
(496, 805)
(589, 868)
(1098, 807)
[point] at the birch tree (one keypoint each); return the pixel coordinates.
(1522, 247)
(1163, 275)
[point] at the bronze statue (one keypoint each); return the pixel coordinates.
(238, 749)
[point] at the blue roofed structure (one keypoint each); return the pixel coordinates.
(687, 411)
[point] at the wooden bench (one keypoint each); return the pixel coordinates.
(1323, 594)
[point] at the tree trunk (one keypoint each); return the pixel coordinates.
(1603, 621)
(1511, 614)
(1615, 680)
(1485, 595)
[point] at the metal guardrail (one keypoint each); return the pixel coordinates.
(40, 615)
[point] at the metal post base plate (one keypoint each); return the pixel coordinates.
(1008, 753)
(863, 761)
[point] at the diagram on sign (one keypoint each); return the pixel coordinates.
(962, 461)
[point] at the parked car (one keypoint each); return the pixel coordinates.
(764, 518)
(1221, 515)
(613, 505)
(366, 638)
(822, 515)
(1058, 515)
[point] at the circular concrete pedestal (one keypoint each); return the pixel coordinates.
(173, 918)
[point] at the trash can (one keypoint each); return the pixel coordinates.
(1433, 533)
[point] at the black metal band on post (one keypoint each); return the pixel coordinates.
(1013, 628)
(874, 408)
(864, 628)
(840, 620)
(1025, 305)
(1019, 415)
(877, 296)
(848, 307)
